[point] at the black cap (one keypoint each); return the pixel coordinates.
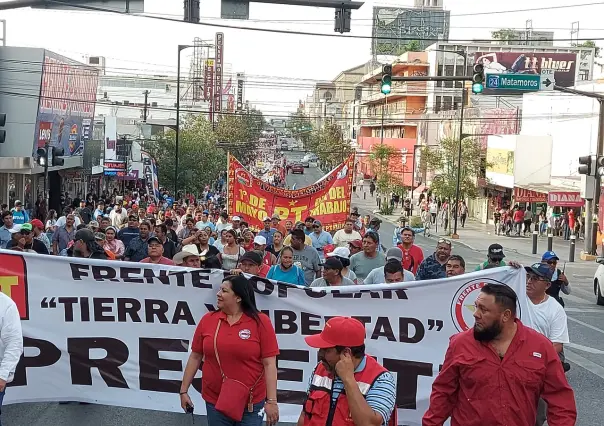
(496, 251)
(152, 239)
(375, 220)
(333, 263)
(85, 235)
(251, 256)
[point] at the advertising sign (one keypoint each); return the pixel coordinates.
(115, 168)
(565, 199)
(564, 66)
(522, 195)
(208, 79)
(92, 334)
(150, 174)
(327, 200)
(45, 132)
(239, 91)
(218, 69)
(110, 138)
(67, 100)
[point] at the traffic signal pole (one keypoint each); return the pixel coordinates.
(47, 149)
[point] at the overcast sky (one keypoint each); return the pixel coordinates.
(149, 45)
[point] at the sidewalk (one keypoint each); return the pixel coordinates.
(479, 236)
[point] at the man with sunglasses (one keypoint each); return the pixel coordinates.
(23, 238)
(435, 265)
(546, 316)
(559, 280)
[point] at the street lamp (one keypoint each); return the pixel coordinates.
(463, 54)
(181, 47)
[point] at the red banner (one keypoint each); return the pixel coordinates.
(565, 199)
(527, 196)
(327, 200)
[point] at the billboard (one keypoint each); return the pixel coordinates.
(67, 100)
(240, 82)
(394, 27)
(327, 200)
(564, 65)
(110, 138)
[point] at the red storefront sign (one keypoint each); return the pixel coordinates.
(527, 196)
(565, 199)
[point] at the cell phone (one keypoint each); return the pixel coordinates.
(189, 409)
(563, 267)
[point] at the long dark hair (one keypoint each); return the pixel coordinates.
(243, 288)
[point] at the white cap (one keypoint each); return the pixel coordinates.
(260, 240)
(236, 218)
(15, 229)
(266, 218)
(340, 252)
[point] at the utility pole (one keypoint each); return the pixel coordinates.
(146, 93)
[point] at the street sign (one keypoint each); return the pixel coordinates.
(523, 82)
(547, 79)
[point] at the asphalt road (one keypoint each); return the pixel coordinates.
(585, 353)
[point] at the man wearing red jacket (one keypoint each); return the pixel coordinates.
(413, 255)
(495, 373)
(347, 387)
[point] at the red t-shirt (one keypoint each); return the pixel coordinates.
(264, 270)
(162, 261)
(412, 257)
(241, 348)
(519, 216)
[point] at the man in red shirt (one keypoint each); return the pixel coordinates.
(518, 219)
(251, 263)
(495, 373)
(156, 253)
(412, 254)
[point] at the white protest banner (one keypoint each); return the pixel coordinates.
(118, 333)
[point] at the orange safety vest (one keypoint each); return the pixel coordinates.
(317, 407)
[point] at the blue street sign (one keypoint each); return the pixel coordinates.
(524, 82)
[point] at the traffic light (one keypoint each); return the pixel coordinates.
(478, 78)
(57, 153)
(586, 165)
(342, 21)
(191, 11)
(42, 156)
(2, 124)
(386, 79)
(599, 166)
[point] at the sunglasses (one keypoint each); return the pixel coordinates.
(552, 262)
(444, 241)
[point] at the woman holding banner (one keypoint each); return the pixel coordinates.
(239, 347)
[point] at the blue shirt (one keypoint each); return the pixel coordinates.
(268, 235)
(321, 240)
(293, 275)
(127, 235)
(381, 397)
(203, 225)
(5, 237)
(19, 218)
(430, 269)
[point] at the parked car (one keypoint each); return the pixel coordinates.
(284, 146)
(599, 282)
(297, 168)
(305, 163)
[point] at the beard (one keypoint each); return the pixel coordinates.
(487, 334)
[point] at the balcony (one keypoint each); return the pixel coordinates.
(399, 89)
(399, 118)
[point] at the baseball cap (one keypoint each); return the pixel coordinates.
(541, 270)
(99, 236)
(375, 220)
(317, 223)
(37, 223)
(266, 219)
(251, 256)
(356, 243)
(333, 263)
(259, 239)
(276, 216)
(26, 227)
(236, 219)
(15, 229)
(340, 252)
(153, 239)
(18, 203)
(85, 235)
(496, 251)
(394, 253)
(549, 255)
(338, 331)
(93, 224)
(133, 217)
(205, 212)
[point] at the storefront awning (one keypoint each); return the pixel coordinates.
(555, 196)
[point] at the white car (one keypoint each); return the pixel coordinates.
(599, 282)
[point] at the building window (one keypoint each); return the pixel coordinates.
(583, 75)
(447, 103)
(457, 102)
(459, 73)
(449, 72)
(438, 104)
(439, 73)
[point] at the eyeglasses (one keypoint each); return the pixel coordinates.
(552, 262)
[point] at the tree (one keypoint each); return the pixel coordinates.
(381, 158)
(199, 159)
(507, 35)
(239, 134)
(300, 126)
(413, 46)
(592, 44)
(442, 159)
(329, 145)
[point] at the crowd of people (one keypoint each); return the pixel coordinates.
(200, 233)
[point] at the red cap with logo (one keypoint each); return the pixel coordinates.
(338, 331)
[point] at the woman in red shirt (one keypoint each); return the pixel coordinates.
(247, 349)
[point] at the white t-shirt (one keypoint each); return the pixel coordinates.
(377, 276)
(549, 319)
(63, 220)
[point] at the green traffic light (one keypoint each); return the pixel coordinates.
(477, 88)
(386, 88)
